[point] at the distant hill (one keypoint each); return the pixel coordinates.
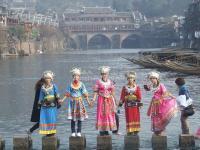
(151, 8)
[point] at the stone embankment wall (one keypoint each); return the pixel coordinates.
(3, 39)
(50, 41)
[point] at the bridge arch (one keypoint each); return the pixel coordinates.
(70, 43)
(99, 41)
(131, 41)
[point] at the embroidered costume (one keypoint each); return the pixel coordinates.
(105, 105)
(48, 112)
(162, 108)
(131, 97)
(76, 107)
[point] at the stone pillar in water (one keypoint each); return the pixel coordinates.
(50, 143)
(2, 143)
(104, 142)
(77, 143)
(131, 142)
(159, 142)
(22, 142)
(186, 141)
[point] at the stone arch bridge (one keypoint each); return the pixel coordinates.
(106, 40)
(104, 28)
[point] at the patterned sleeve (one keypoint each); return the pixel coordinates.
(122, 97)
(68, 91)
(84, 90)
(138, 94)
(96, 86)
(56, 91)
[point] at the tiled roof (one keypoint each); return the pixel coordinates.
(98, 10)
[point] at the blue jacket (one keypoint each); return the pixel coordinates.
(183, 90)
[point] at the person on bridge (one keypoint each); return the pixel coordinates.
(48, 101)
(106, 105)
(131, 97)
(163, 105)
(76, 108)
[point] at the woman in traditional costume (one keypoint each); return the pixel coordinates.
(131, 97)
(48, 100)
(163, 105)
(105, 90)
(76, 92)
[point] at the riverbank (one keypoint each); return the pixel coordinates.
(38, 39)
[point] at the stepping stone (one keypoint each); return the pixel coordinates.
(186, 141)
(22, 142)
(50, 143)
(104, 142)
(159, 142)
(131, 142)
(77, 143)
(2, 143)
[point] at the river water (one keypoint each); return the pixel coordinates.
(18, 76)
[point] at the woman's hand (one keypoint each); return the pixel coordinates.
(120, 104)
(39, 106)
(160, 101)
(60, 101)
(90, 103)
(147, 87)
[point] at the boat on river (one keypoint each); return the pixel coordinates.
(182, 68)
(179, 65)
(146, 62)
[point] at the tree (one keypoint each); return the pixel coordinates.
(19, 32)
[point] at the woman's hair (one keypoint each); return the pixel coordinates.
(180, 81)
(39, 83)
(158, 83)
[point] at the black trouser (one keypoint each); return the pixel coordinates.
(34, 127)
(73, 124)
(117, 123)
(184, 124)
(102, 133)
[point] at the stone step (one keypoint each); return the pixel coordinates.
(186, 141)
(22, 142)
(50, 143)
(2, 143)
(131, 142)
(77, 143)
(104, 142)
(159, 142)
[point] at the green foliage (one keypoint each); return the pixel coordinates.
(17, 31)
(34, 33)
(120, 5)
(192, 20)
(158, 8)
